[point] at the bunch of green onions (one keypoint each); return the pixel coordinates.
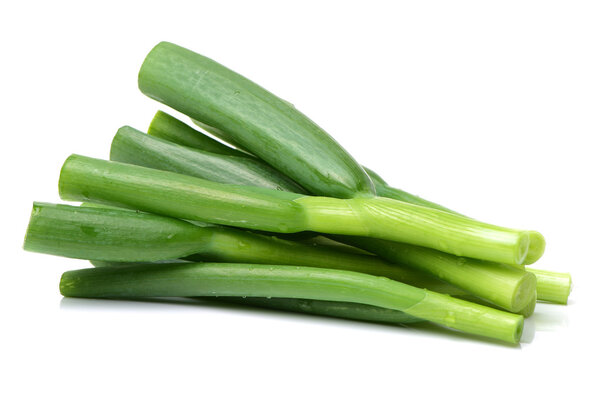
(282, 217)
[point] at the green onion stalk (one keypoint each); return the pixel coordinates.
(259, 280)
(186, 197)
(336, 309)
(553, 287)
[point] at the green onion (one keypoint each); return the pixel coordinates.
(337, 309)
(207, 279)
(554, 287)
(157, 200)
(161, 192)
(239, 110)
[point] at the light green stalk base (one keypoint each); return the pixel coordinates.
(186, 280)
(537, 243)
(380, 217)
(553, 287)
(384, 190)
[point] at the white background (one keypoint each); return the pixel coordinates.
(490, 108)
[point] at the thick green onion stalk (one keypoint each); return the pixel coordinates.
(259, 280)
(336, 309)
(181, 196)
(237, 109)
(553, 287)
